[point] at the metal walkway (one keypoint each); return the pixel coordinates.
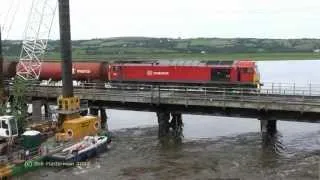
(273, 101)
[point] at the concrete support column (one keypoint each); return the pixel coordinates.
(267, 123)
(84, 113)
(268, 133)
(163, 121)
(84, 105)
(176, 124)
(268, 126)
(94, 111)
(47, 112)
(269, 137)
(104, 118)
(36, 110)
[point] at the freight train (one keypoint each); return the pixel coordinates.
(239, 73)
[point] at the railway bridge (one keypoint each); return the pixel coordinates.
(275, 101)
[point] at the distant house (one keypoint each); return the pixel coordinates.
(316, 50)
(203, 52)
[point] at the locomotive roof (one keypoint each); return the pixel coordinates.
(220, 62)
(245, 63)
(239, 63)
(181, 63)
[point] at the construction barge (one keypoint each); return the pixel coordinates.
(33, 150)
(74, 137)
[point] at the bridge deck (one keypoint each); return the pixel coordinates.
(284, 105)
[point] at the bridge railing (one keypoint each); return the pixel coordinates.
(272, 89)
(269, 89)
(292, 88)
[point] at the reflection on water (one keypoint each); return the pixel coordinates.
(271, 142)
(170, 143)
(272, 149)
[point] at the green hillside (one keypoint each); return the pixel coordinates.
(199, 48)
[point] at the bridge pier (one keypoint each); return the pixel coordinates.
(168, 125)
(84, 107)
(94, 111)
(103, 115)
(270, 141)
(268, 126)
(47, 111)
(268, 133)
(36, 109)
(104, 118)
(84, 113)
(163, 121)
(176, 124)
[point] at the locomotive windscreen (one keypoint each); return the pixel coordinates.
(220, 74)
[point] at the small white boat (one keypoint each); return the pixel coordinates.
(90, 146)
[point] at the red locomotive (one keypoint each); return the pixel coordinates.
(217, 73)
(211, 73)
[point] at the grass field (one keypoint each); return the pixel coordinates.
(123, 48)
(176, 56)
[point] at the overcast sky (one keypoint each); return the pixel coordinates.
(179, 18)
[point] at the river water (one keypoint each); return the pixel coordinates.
(212, 147)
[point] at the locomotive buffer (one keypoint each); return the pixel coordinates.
(71, 126)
